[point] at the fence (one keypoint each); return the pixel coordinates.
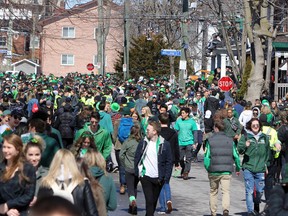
(282, 89)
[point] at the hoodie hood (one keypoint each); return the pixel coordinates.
(96, 171)
(167, 133)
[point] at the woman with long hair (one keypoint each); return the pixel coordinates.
(64, 179)
(97, 190)
(97, 166)
(256, 150)
(33, 151)
(145, 117)
(82, 144)
(127, 155)
(17, 178)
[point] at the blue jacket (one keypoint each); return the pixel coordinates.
(164, 158)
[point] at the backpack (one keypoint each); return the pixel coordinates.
(124, 128)
(35, 108)
(63, 191)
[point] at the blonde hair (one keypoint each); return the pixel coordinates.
(95, 158)
(66, 158)
(266, 110)
(148, 111)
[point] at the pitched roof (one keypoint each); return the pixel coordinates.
(26, 60)
(64, 13)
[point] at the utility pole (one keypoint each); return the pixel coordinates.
(34, 19)
(185, 44)
(204, 44)
(10, 39)
(100, 39)
(126, 39)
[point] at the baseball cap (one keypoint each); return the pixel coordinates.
(6, 112)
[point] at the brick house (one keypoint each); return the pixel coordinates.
(68, 39)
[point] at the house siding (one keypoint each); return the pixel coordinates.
(83, 46)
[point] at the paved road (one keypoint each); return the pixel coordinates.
(190, 197)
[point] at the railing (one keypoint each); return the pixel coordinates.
(282, 89)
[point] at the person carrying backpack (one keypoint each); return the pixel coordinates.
(121, 132)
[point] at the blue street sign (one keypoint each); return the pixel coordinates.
(3, 51)
(170, 52)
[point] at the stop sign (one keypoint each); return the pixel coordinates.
(225, 83)
(90, 66)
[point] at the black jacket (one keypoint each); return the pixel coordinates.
(212, 104)
(15, 195)
(164, 158)
(172, 137)
(66, 125)
(83, 198)
(283, 137)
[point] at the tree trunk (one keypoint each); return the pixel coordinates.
(256, 81)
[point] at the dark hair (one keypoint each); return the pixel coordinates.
(46, 206)
(95, 115)
(185, 109)
(156, 125)
(214, 92)
(249, 124)
(164, 118)
(102, 105)
(219, 124)
(135, 132)
(39, 125)
(76, 147)
(163, 106)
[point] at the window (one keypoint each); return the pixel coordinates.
(3, 41)
(36, 42)
(68, 32)
(67, 59)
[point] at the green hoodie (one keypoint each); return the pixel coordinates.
(102, 139)
(256, 156)
(108, 185)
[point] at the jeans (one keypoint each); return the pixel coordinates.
(151, 188)
(185, 151)
(165, 195)
(215, 182)
(200, 140)
(253, 179)
(120, 168)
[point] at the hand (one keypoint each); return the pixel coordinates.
(239, 137)
(3, 208)
(248, 143)
(13, 212)
(33, 201)
(237, 173)
(236, 137)
(195, 146)
(266, 171)
(278, 147)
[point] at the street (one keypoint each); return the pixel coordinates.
(190, 197)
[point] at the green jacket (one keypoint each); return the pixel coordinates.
(229, 129)
(102, 139)
(52, 146)
(108, 185)
(207, 160)
(127, 154)
(256, 156)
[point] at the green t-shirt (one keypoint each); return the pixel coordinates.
(185, 130)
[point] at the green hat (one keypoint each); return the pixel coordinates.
(6, 112)
(182, 101)
(131, 105)
(265, 102)
(151, 78)
(115, 107)
(130, 80)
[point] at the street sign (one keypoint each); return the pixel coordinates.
(90, 66)
(225, 83)
(170, 52)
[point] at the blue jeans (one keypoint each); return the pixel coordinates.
(121, 169)
(165, 195)
(252, 180)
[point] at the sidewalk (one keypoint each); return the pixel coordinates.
(190, 197)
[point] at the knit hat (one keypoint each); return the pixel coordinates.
(115, 107)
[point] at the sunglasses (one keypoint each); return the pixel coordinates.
(255, 125)
(17, 117)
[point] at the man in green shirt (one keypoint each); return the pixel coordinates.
(187, 138)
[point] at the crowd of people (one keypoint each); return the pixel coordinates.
(61, 136)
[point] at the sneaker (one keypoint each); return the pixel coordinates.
(225, 213)
(115, 169)
(122, 189)
(161, 212)
(185, 176)
(169, 206)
